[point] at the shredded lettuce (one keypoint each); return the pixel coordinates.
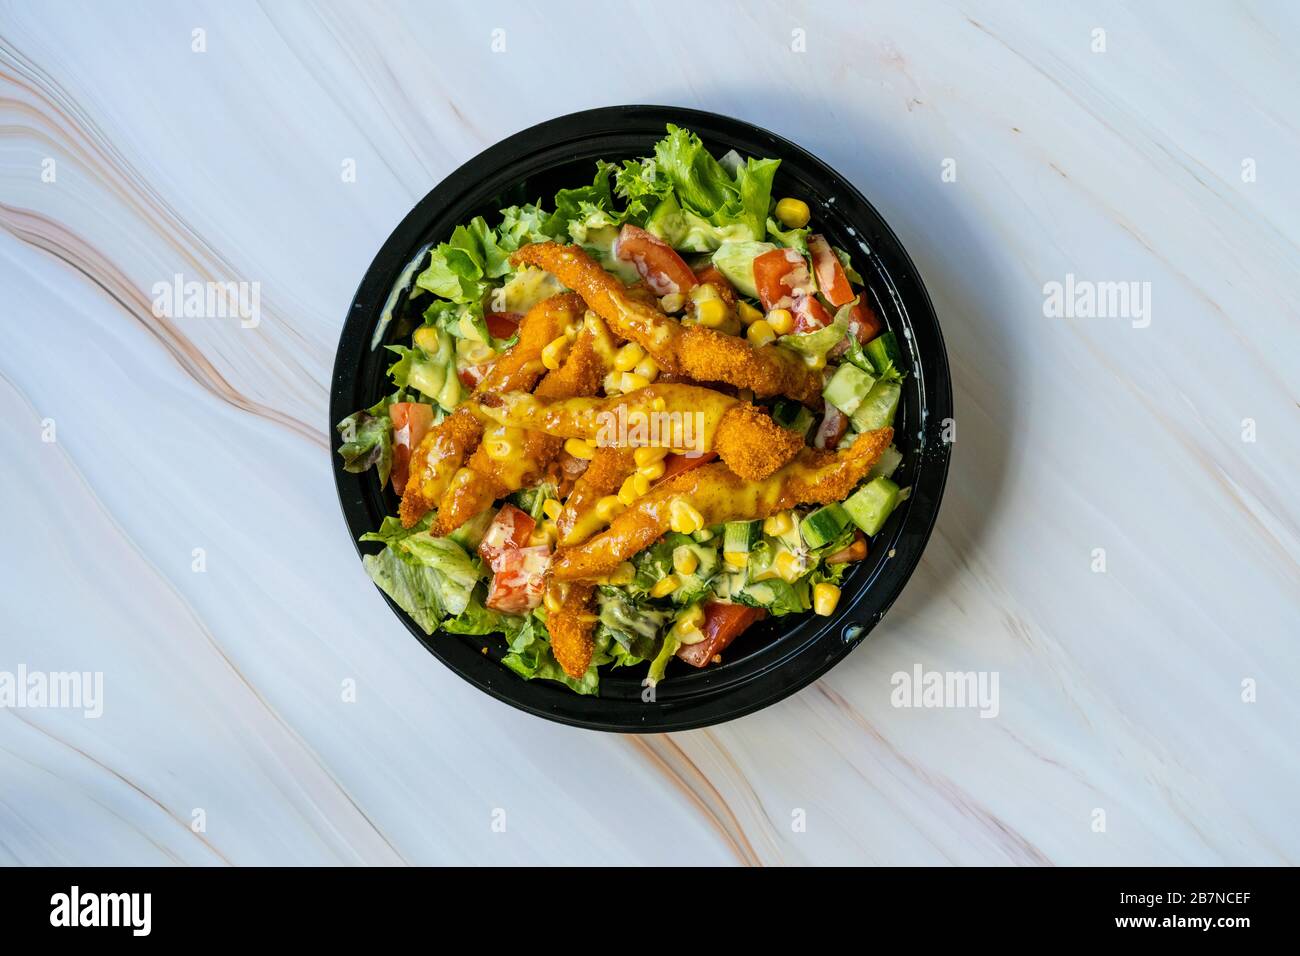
(414, 588)
(633, 627)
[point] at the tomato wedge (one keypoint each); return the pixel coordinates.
(502, 325)
(831, 280)
(471, 375)
(676, 464)
(520, 579)
(864, 323)
(778, 275)
(663, 270)
(411, 422)
(723, 623)
(809, 314)
(509, 531)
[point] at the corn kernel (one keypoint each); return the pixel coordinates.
(625, 359)
(631, 381)
(613, 383)
(647, 368)
(498, 449)
(781, 320)
(692, 619)
(780, 523)
(711, 313)
(608, 508)
(623, 574)
(653, 471)
(634, 486)
(553, 355)
(648, 455)
(760, 333)
(704, 534)
(551, 508)
(665, 586)
(580, 448)
(748, 314)
(685, 561)
(793, 213)
(426, 337)
(788, 567)
(658, 403)
(825, 597)
(672, 302)
(683, 518)
(737, 559)
(553, 599)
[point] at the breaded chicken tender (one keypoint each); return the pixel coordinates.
(435, 461)
(665, 416)
(812, 477)
(702, 354)
(572, 625)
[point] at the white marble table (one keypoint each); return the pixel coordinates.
(1168, 159)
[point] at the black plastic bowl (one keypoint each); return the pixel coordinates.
(780, 655)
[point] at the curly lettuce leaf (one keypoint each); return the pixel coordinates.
(709, 190)
(368, 440)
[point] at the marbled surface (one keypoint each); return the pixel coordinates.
(1168, 158)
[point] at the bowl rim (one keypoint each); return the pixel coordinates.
(778, 676)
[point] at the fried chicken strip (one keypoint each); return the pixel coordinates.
(812, 477)
(664, 416)
(608, 469)
(513, 457)
(571, 627)
(703, 354)
(435, 461)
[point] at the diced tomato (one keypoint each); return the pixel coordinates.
(809, 314)
(519, 581)
(502, 325)
(778, 275)
(723, 623)
(711, 275)
(831, 280)
(864, 323)
(832, 429)
(676, 464)
(663, 270)
(509, 531)
(411, 422)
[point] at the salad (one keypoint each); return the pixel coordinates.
(630, 424)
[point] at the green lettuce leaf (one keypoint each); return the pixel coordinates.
(455, 573)
(414, 588)
(821, 341)
(368, 440)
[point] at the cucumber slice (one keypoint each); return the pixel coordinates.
(667, 222)
(848, 387)
(824, 525)
(878, 408)
(884, 353)
(739, 537)
(735, 260)
(871, 504)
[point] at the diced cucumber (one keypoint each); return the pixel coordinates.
(871, 504)
(878, 408)
(848, 387)
(889, 461)
(884, 352)
(824, 525)
(739, 537)
(735, 260)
